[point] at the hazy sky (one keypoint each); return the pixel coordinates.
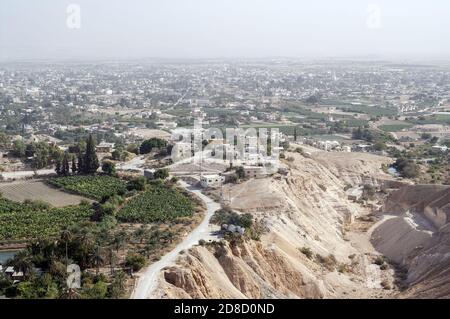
(39, 29)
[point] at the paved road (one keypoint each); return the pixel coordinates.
(149, 277)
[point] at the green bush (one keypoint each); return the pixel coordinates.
(227, 216)
(137, 184)
(109, 168)
(379, 260)
(161, 173)
(135, 261)
(98, 290)
(307, 252)
(329, 262)
(148, 145)
(406, 167)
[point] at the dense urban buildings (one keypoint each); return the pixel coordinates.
(274, 150)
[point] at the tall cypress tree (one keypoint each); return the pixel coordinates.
(80, 167)
(58, 167)
(90, 161)
(74, 165)
(65, 165)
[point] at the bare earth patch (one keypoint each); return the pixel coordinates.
(37, 190)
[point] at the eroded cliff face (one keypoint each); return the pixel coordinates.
(318, 243)
(246, 270)
(429, 269)
(308, 209)
(416, 234)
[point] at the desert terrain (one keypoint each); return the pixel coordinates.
(307, 210)
(318, 243)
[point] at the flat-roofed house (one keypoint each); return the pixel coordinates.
(255, 171)
(213, 180)
(104, 147)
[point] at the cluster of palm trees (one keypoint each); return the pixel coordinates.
(90, 246)
(153, 239)
(84, 245)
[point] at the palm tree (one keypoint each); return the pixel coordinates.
(139, 234)
(66, 237)
(148, 248)
(167, 236)
(118, 285)
(35, 247)
(22, 261)
(119, 240)
(155, 235)
(86, 244)
(120, 278)
(47, 247)
(103, 234)
(112, 258)
(97, 258)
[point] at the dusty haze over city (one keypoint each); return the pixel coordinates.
(223, 150)
(399, 29)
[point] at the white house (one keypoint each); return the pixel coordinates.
(255, 171)
(442, 148)
(213, 180)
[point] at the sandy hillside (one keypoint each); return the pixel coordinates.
(397, 247)
(417, 236)
(306, 209)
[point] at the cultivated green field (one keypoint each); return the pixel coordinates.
(159, 203)
(394, 127)
(95, 187)
(433, 119)
(36, 220)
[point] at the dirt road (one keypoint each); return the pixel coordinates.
(149, 277)
(134, 164)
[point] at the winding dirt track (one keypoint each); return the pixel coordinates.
(149, 277)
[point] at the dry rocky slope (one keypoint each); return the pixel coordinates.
(308, 208)
(416, 235)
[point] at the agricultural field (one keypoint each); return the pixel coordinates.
(370, 110)
(36, 220)
(395, 127)
(95, 187)
(283, 128)
(353, 122)
(37, 190)
(152, 133)
(432, 119)
(287, 129)
(158, 204)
